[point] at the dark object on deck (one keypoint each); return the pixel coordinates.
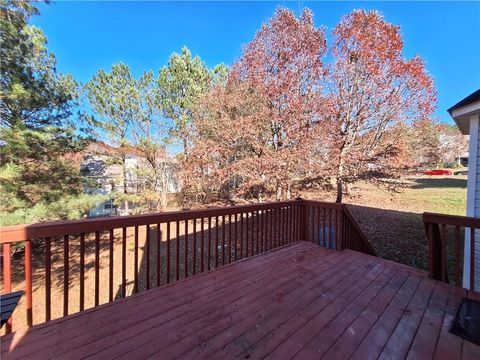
(8, 303)
(467, 321)
(326, 237)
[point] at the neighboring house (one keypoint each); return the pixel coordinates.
(454, 148)
(466, 114)
(104, 172)
(105, 177)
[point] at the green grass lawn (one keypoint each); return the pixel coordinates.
(446, 195)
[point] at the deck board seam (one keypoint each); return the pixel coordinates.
(306, 345)
(347, 289)
(232, 276)
(352, 264)
(387, 305)
(333, 302)
(417, 284)
(400, 319)
(268, 277)
(433, 306)
(236, 299)
(394, 272)
(294, 314)
(393, 284)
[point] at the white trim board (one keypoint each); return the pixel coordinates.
(473, 162)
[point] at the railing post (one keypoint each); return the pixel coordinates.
(429, 231)
(472, 258)
(302, 225)
(7, 278)
(438, 261)
(28, 281)
(434, 250)
(340, 241)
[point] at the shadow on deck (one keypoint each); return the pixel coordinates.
(298, 301)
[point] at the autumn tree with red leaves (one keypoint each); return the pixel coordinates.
(372, 90)
(285, 116)
(254, 133)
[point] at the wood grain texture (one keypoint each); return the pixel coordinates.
(299, 301)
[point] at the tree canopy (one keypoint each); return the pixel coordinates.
(180, 83)
(300, 106)
(257, 130)
(295, 111)
(36, 107)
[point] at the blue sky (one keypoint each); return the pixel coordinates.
(87, 36)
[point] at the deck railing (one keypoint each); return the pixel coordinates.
(86, 260)
(326, 222)
(446, 237)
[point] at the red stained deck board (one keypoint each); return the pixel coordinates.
(206, 343)
(299, 300)
(243, 334)
(423, 346)
(279, 335)
(324, 315)
(374, 342)
(185, 309)
(359, 328)
(326, 336)
(210, 311)
(449, 345)
(470, 351)
(402, 336)
(105, 322)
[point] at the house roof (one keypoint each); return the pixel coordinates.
(102, 148)
(461, 112)
(475, 96)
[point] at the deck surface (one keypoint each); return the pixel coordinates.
(300, 302)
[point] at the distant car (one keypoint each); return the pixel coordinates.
(438, 172)
(461, 172)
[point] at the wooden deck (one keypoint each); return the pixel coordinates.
(300, 301)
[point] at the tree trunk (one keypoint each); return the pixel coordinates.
(339, 190)
(164, 182)
(158, 204)
(340, 174)
(185, 149)
(125, 183)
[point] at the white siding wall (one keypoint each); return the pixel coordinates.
(473, 201)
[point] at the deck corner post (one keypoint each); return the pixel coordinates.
(434, 245)
(303, 218)
(339, 245)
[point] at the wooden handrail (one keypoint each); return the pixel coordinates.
(446, 266)
(24, 232)
(326, 205)
(231, 233)
(245, 231)
(366, 243)
(454, 220)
